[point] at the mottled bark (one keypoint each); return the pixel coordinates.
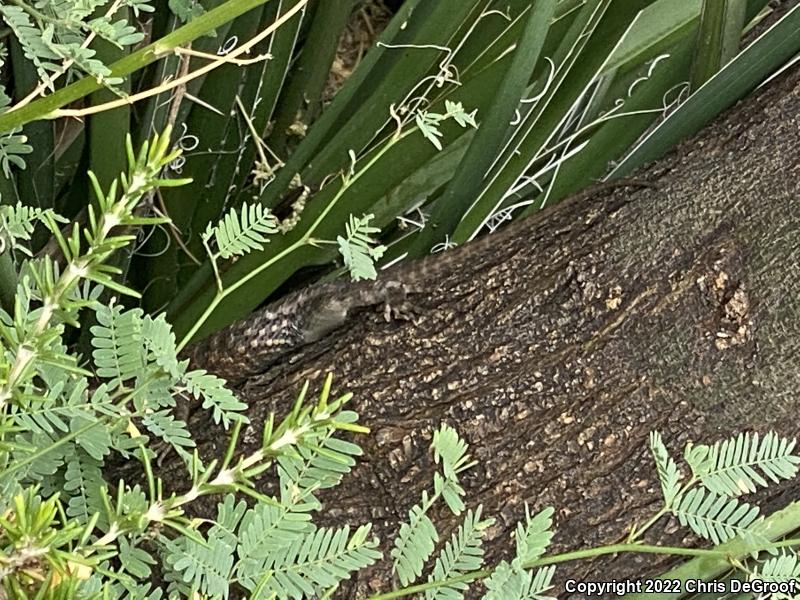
(557, 351)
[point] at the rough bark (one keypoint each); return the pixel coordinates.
(558, 350)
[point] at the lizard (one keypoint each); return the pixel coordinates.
(267, 336)
(251, 346)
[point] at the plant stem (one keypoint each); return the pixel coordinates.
(184, 78)
(141, 58)
(558, 558)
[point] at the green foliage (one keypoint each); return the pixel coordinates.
(418, 536)
(726, 470)
(205, 565)
(17, 224)
(741, 464)
(242, 230)
(429, 123)
(267, 528)
(83, 481)
(508, 583)
(668, 473)
(359, 250)
(321, 463)
(781, 568)
(513, 580)
(451, 451)
(56, 31)
(186, 10)
(395, 138)
(533, 538)
(295, 571)
(118, 346)
(59, 431)
(12, 148)
(461, 554)
(415, 542)
(713, 517)
(225, 408)
(560, 92)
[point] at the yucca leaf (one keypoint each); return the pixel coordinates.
(597, 33)
(302, 94)
(487, 143)
(721, 24)
(740, 76)
(131, 63)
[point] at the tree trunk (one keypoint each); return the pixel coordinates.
(556, 351)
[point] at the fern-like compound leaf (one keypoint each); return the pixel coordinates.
(359, 249)
(743, 463)
(265, 529)
(13, 147)
(45, 464)
(242, 230)
(781, 568)
(17, 222)
(163, 425)
(428, 124)
(119, 32)
(224, 405)
(714, 517)
(186, 10)
(118, 353)
(451, 450)
(135, 561)
(668, 474)
(317, 562)
(159, 340)
(92, 435)
(462, 553)
(461, 116)
(508, 582)
(541, 583)
(319, 463)
(533, 538)
(83, 481)
(32, 40)
(415, 543)
(207, 567)
(451, 492)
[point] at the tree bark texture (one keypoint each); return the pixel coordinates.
(557, 350)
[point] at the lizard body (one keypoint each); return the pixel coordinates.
(251, 346)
